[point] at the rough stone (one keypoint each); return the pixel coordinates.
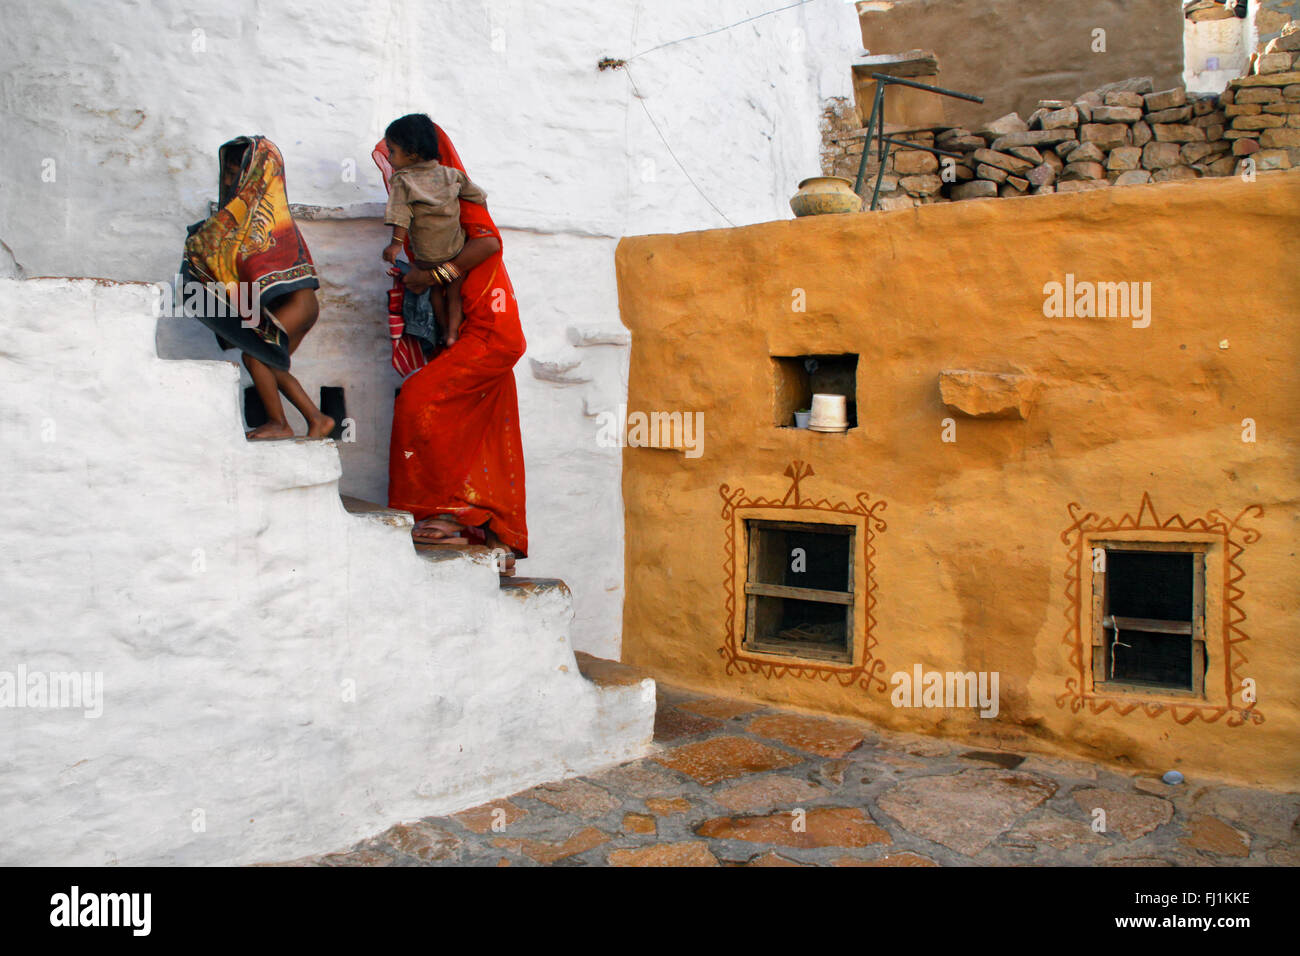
(422, 841)
(1269, 159)
(641, 778)
(1106, 134)
(1262, 121)
(926, 185)
(1255, 97)
(826, 738)
(992, 173)
(1211, 835)
(719, 708)
(667, 806)
(1179, 114)
(1192, 152)
(1141, 134)
(693, 853)
(1117, 114)
(968, 810)
(577, 797)
(834, 826)
(1060, 119)
(1124, 157)
(1087, 153)
(1244, 147)
(1027, 153)
(639, 823)
(1132, 814)
(1075, 170)
(1179, 133)
(1160, 155)
(975, 189)
(1012, 164)
(1042, 175)
(480, 819)
(583, 840)
(769, 790)
(1270, 79)
(1243, 109)
(894, 859)
(1011, 123)
(1033, 137)
(1273, 63)
(987, 394)
(1055, 830)
(1173, 173)
(1123, 98)
(1133, 84)
(1165, 99)
(722, 758)
(910, 162)
(1080, 185)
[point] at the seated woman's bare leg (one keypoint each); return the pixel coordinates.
(297, 313)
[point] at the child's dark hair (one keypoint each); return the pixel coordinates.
(416, 134)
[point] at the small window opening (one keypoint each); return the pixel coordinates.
(1150, 633)
(799, 377)
(799, 589)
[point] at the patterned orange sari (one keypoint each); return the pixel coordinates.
(456, 448)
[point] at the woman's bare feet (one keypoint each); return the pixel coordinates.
(433, 530)
(320, 427)
(270, 432)
(505, 557)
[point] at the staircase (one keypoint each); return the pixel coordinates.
(282, 671)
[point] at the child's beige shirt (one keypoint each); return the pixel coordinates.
(424, 200)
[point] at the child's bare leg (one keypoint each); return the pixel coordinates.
(454, 313)
(296, 315)
(268, 391)
(439, 303)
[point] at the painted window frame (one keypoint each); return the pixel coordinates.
(754, 589)
(1204, 552)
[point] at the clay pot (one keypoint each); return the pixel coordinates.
(822, 195)
(801, 419)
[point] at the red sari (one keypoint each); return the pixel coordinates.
(455, 447)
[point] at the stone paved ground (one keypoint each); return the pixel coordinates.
(728, 778)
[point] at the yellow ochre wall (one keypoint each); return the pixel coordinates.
(971, 571)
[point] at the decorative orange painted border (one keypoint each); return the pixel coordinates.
(866, 672)
(1235, 537)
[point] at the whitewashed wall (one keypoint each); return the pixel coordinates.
(113, 111)
(278, 677)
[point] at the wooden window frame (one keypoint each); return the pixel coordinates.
(755, 589)
(1102, 631)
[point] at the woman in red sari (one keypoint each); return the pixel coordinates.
(456, 459)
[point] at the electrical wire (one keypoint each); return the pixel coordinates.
(663, 139)
(696, 36)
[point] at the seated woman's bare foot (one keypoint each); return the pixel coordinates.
(505, 557)
(432, 530)
(269, 432)
(321, 427)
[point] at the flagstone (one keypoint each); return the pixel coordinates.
(585, 839)
(673, 724)
(894, 859)
(481, 819)
(694, 853)
(826, 738)
(423, 841)
(772, 858)
(639, 823)
(965, 811)
(576, 796)
(1132, 814)
(1054, 830)
(362, 857)
(768, 790)
(1212, 835)
(722, 758)
(836, 826)
(642, 778)
(720, 707)
(662, 807)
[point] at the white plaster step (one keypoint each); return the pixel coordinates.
(393, 517)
